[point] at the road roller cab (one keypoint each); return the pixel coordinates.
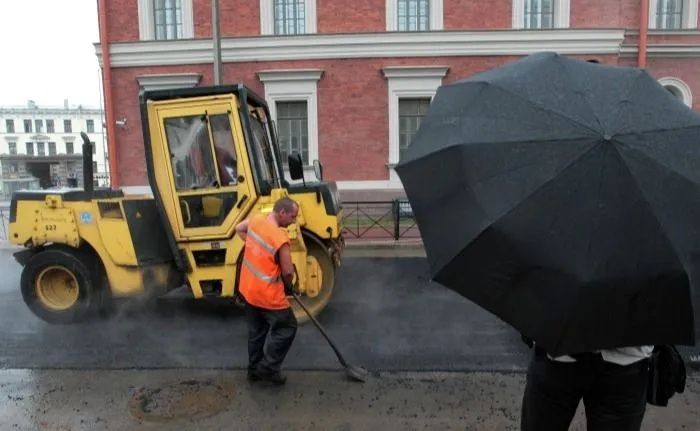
(212, 160)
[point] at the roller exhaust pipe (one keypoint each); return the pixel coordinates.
(88, 175)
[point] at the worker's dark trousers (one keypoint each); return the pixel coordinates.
(282, 328)
(614, 396)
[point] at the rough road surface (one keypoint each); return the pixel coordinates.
(179, 367)
(224, 400)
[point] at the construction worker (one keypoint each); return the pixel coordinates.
(265, 281)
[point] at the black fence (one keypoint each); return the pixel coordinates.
(379, 220)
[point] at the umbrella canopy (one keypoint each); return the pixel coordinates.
(564, 197)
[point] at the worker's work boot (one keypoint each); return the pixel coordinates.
(253, 375)
(274, 377)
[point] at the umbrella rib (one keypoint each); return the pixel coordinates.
(543, 108)
(665, 129)
(574, 83)
(646, 201)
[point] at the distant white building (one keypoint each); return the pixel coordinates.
(41, 147)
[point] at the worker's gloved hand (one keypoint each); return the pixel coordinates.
(290, 289)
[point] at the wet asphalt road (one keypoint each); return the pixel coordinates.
(385, 315)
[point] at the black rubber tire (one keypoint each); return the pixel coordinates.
(318, 304)
(74, 261)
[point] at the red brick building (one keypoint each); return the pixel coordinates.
(347, 81)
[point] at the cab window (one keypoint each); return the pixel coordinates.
(190, 151)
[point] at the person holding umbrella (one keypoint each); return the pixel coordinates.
(563, 196)
(612, 384)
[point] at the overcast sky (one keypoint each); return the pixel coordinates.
(48, 52)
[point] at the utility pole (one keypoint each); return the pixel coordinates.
(216, 39)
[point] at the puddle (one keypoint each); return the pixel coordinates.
(189, 399)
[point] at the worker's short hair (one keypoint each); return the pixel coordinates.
(285, 204)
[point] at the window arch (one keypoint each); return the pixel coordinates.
(678, 88)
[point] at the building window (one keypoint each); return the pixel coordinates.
(538, 14)
(410, 87)
(14, 167)
(12, 146)
(414, 15)
(67, 126)
(39, 126)
(50, 126)
(411, 112)
(94, 167)
(27, 126)
(40, 149)
(52, 148)
(286, 17)
(90, 124)
(673, 14)
(293, 129)
(678, 88)
(69, 148)
(166, 19)
(94, 147)
(290, 16)
(669, 14)
(293, 99)
(10, 126)
(30, 148)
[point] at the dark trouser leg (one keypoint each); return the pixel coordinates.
(617, 401)
(283, 329)
(552, 394)
(257, 331)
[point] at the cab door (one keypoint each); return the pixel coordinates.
(203, 182)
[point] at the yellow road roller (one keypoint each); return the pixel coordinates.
(213, 160)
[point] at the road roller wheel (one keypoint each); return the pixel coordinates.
(57, 286)
(321, 273)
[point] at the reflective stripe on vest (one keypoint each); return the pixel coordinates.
(259, 274)
(261, 241)
(267, 247)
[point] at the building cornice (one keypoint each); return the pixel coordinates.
(663, 51)
(392, 72)
(51, 111)
(366, 45)
(168, 81)
(290, 75)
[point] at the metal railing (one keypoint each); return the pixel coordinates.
(379, 220)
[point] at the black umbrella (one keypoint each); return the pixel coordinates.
(564, 197)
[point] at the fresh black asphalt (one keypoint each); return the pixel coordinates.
(384, 316)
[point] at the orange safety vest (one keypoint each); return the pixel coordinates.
(261, 281)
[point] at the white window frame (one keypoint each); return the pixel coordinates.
(267, 18)
(561, 18)
(291, 86)
(147, 26)
(407, 82)
(682, 87)
(689, 18)
(436, 15)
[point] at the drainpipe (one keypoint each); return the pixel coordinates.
(643, 30)
(107, 88)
